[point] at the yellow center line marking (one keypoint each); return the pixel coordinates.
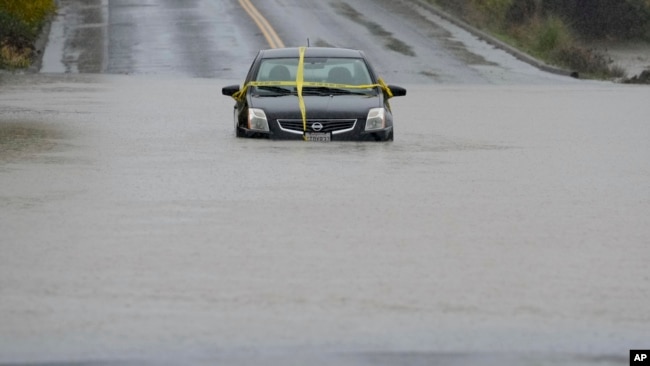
(269, 33)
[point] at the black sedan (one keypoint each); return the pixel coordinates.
(313, 94)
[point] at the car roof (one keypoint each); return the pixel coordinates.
(311, 52)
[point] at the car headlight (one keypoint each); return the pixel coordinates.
(376, 119)
(257, 120)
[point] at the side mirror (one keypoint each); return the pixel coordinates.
(230, 90)
(397, 91)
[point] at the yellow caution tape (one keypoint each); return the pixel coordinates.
(384, 87)
(239, 96)
(300, 79)
(300, 83)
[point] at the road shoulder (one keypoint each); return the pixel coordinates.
(75, 41)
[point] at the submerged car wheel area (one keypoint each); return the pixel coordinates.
(313, 94)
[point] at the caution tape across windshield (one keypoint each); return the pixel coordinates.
(300, 83)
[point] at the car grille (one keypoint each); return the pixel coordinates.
(329, 125)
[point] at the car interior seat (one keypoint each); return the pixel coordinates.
(339, 75)
(279, 73)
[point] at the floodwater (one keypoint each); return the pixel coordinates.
(505, 225)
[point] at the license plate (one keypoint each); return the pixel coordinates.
(318, 136)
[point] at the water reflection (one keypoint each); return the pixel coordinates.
(20, 140)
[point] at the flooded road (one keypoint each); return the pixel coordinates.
(506, 225)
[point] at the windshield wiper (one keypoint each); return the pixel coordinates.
(277, 89)
(326, 90)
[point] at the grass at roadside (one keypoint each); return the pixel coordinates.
(21, 22)
(546, 37)
(551, 40)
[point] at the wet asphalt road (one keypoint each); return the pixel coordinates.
(407, 42)
(189, 38)
(506, 225)
(193, 38)
(217, 39)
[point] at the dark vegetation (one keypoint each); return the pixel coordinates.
(556, 31)
(21, 22)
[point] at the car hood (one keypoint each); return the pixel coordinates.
(336, 106)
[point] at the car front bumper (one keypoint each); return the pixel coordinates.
(353, 135)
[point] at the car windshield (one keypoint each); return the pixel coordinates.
(346, 73)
